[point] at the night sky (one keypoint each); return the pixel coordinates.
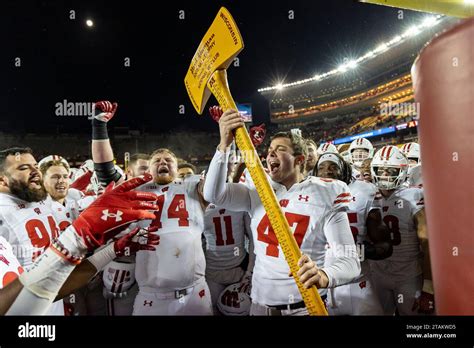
(64, 59)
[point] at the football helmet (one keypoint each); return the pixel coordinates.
(51, 158)
(326, 147)
(346, 155)
(233, 301)
(357, 157)
(389, 160)
(412, 152)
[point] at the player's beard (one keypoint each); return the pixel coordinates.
(24, 192)
(163, 179)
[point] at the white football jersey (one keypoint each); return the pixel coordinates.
(356, 173)
(224, 231)
(10, 268)
(75, 202)
(178, 261)
(29, 226)
(363, 201)
(398, 213)
(307, 207)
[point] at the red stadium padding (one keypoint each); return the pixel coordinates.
(443, 79)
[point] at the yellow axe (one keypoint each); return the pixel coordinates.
(206, 75)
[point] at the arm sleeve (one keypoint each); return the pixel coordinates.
(346, 265)
(234, 197)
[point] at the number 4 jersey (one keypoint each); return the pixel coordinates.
(178, 261)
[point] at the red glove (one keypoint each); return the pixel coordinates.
(129, 244)
(82, 182)
(246, 283)
(424, 303)
(257, 134)
(114, 210)
(105, 110)
(231, 299)
(216, 113)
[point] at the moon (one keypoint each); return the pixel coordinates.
(89, 23)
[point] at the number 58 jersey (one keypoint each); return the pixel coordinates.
(308, 206)
(178, 260)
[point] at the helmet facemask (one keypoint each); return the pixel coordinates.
(395, 178)
(358, 156)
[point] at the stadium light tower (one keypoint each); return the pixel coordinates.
(279, 86)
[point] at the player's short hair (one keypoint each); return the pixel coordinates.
(187, 165)
(297, 141)
(138, 156)
(46, 165)
(309, 142)
(12, 151)
(164, 150)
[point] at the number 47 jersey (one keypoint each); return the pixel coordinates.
(309, 207)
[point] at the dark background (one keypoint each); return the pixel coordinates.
(64, 59)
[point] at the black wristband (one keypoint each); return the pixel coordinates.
(99, 130)
(106, 173)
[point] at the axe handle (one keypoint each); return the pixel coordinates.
(219, 87)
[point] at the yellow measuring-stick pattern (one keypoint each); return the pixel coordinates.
(455, 8)
(207, 74)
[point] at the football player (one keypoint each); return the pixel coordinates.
(185, 169)
(360, 150)
(171, 278)
(402, 281)
(412, 152)
(138, 165)
(63, 258)
(312, 157)
(316, 209)
(370, 235)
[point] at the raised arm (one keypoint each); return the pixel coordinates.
(230, 196)
(102, 153)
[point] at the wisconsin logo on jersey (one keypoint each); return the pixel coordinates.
(117, 216)
(284, 202)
